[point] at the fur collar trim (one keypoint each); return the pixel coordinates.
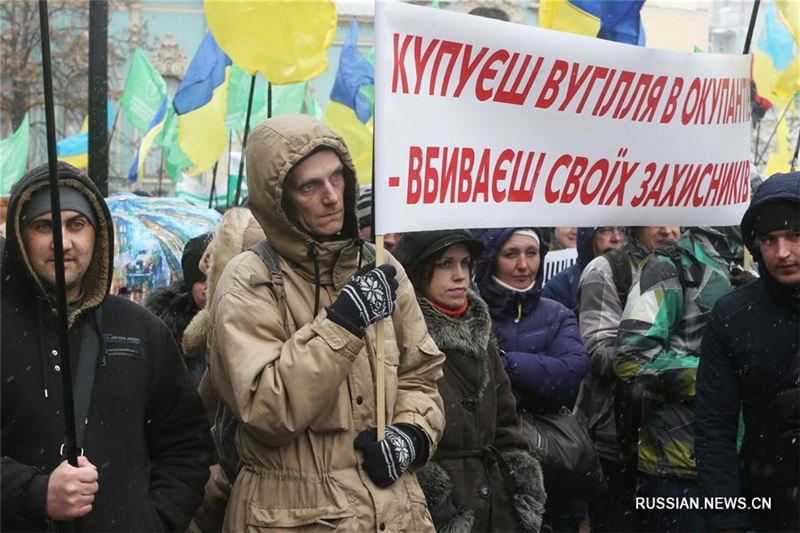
(469, 334)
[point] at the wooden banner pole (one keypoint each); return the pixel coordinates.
(380, 370)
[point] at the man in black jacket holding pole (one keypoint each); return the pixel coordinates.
(141, 430)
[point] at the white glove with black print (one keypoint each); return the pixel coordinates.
(386, 460)
(368, 296)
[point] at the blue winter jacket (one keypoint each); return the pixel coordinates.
(563, 287)
(544, 354)
(750, 360)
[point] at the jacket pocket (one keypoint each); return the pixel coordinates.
(337, 416)
(331, 517)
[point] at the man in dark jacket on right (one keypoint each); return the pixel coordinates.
(750, 360)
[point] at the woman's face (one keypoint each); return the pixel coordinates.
(449, 279)
(518, 262)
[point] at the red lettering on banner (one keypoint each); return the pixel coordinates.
(572, 185)
(625, 77)
(550, 90)
(598, 167)
(653, 97)
(499, 175)
(431, 175)
(697, 200)
(465, 175)
(421, 59)
(399, 63)
(467, 67)
(488, 73)
(642, 83)
(550, 195)
(414, 180)
(687, 112)
(482, 181)
(672, 100)
(574, 84)
(688, 186)
(597, 74)
(514, 96)
(446, 47)
(449, 171)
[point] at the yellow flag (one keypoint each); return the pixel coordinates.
(790, 13)
(562, 15)
(285, 41)
(781, 157)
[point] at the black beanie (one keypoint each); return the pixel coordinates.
(190, 261)
(776, 215)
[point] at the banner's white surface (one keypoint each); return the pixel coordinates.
(483, 123)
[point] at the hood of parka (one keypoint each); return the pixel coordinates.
(18, 274)
(274, 147)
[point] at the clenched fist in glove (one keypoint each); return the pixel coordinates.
(386, 460)
(367, 296)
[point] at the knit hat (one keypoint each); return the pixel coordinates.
(364, 205)
(778, 215)
(71, 200)
(190, 261)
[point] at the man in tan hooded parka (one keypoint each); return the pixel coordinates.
(300, 375)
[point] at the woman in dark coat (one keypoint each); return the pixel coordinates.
(483, 476)
(540, 339)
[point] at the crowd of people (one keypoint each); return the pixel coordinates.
(243, 397)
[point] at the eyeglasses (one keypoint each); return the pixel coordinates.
(607, 231)
(448, 263)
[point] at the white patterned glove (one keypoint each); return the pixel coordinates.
(368, 296)
(386, 460)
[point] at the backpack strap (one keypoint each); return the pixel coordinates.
(621, 272)
(272, 261)
(670, 249)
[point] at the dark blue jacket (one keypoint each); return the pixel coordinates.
(750, 359)
(544, 354)
(563, 287)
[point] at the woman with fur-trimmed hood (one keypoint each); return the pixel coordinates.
(483, 476)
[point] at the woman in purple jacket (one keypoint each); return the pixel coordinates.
(543, 351)
(544, 354)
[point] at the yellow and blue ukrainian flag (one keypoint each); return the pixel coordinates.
(200, 104)
(612, 20)
(75, 149)
(153, 131)
(348, 112)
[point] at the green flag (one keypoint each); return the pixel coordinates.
(144, 91)
(290, 98)
(14, 156)
(175, 160)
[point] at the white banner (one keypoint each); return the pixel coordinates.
(483, 123)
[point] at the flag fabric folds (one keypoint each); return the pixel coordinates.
(348, 111)
(286, 41)
(612, 20)
(144, 91)
(776, 72)
(75, 149)
(776, 62)
(154, 129)
(14, 156)
(200, 104)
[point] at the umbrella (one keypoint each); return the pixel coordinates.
(149, 236)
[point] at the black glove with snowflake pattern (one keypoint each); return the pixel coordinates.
(368, 296)
(386, 460)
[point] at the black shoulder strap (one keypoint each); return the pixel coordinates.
(670, 249)
(84, 375)
(621, 272)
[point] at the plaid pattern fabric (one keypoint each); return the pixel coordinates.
(658, 348)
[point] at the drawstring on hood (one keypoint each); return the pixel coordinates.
(312, 251)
